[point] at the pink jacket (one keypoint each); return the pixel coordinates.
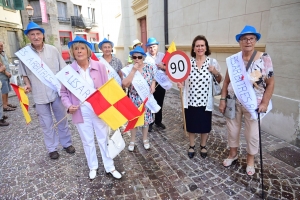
(99, 76)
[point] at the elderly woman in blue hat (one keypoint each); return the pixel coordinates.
(130, 78)
(84, 118)
(250, 81)
(106, 47)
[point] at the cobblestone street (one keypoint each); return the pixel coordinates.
(163, 172)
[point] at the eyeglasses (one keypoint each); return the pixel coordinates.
(245, 40)
(135, 57)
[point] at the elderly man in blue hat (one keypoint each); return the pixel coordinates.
(38, 68)
(155, 57)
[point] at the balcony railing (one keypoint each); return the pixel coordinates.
(94, 23)
(64, 20)
(36, 19)
(87, 22)
(77, 21)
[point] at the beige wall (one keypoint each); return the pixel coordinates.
(220, 21)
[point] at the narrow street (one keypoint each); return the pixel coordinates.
(163, 172)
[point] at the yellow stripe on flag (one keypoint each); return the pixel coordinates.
(25, 113)
(141, 119)
(172, 47)
(24, 98)
(112, 91)
(113, 118)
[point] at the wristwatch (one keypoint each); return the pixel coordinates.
(217, 75)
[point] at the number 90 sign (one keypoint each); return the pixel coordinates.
(178, 66)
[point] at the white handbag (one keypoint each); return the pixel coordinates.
(115, 144)
(216, 88)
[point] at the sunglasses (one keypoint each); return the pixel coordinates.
(135, 57)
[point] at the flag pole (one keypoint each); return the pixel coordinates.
(55, 125)
(183, 114)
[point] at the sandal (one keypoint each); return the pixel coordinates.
(203, 154)
(229, 161)
(191, 154)
(250, 170)
(8, 109)
(12, 106)
(146, 144)
(131, 146)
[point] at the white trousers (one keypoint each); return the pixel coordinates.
(92, 123)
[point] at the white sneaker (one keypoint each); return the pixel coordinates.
(116, 174)
(131, 146)
(93, 173)
(146, 144)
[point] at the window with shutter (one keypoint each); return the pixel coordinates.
(37, 15)
(18, 4)
(62, 9)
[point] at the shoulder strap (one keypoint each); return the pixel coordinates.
(251, 59)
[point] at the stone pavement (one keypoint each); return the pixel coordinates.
(163, 172)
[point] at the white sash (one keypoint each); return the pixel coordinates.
(111, 72)
(142, 88)
(38, 68)
(160, 76)
(75, 83)
(242, 86)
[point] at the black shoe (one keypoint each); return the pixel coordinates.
(54, 155)
(3, 122)
(161, 125)
(70, 149)
(5, 117)
(191, 154)
(150, 128)
(203, 154)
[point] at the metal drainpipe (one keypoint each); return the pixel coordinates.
(166, 22)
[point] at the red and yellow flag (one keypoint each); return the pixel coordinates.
(24, 102)
(171, 49)
(140, 121)
(112, 105)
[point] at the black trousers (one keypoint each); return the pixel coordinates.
(159, 96)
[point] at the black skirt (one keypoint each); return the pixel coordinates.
(198, 120)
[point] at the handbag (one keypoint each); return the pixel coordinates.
(230, 108)
(216, 88)
(115, 144)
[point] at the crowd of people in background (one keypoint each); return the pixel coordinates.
(142, 67)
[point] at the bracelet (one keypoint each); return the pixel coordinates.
(217, 75)
(224, 99)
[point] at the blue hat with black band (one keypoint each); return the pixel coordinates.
(79, 39)
(105, 41)
(151, 41)
(33, 26)
(138, 49)
(248, 30)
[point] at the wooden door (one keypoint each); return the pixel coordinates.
(143, 25)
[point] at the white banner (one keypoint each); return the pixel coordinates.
(142, 88)
(242, 86)
(159, 75)
(75, 83)
(111, 72)
(38, 68)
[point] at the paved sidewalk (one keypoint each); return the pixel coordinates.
(164, 172)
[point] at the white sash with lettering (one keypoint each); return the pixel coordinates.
(242, 86)
(160, 76)
(40, 70)
(75, 83)
(142, 88)
(111, 72)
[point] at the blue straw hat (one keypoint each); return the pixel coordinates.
(138, 49)
(33, 26)
(105, 41)
(80, 40)
(248, 30)
(151, 41)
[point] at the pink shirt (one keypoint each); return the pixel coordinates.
(98, 74)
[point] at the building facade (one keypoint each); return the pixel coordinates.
(220, 21)
(66, 19)
(11, 26)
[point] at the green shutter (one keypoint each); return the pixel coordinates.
(18, 4)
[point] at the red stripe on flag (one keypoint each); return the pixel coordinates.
(98, 102)
(26, 106)
(94, 57)
(167, 54)
(127, 108)
(16, 89)
(131, 124)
